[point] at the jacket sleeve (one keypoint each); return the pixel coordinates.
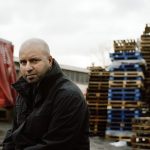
(8, 142)
(68, 115)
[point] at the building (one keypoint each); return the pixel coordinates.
(80, 76)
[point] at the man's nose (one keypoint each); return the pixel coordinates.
(29, 67)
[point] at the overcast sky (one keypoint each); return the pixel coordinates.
(79, 32)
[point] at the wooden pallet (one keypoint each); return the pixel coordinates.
(145, 146)
(97, 95)
(96, 100)
(141, 130)
(145, 38)
(127, 74)
(126, 84)
(98, 85)
(98, 133)
(97, 106)
(145, 44)
(97, 112)
(99, 117)
(145, 49)
(118, 138)
(145, 128)
(96, 68)
(147, 60)
(124, 104)
(124, 45)
(98, 121)
(96, 128)
(141, 123)
(98, 73)
(124, 49)
(98, 78)
(141, 120)
(145, 53)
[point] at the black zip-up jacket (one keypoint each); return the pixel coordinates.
(50, 115)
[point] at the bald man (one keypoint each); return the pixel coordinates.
(51, 112)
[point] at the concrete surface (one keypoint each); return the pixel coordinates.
(97, 143)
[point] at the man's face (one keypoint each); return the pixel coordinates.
(34, 64)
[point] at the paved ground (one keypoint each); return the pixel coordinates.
(96, 143)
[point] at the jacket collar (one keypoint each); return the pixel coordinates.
(23, 87)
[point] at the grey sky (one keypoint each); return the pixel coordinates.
(78, 32)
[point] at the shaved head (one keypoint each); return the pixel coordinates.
(36, 44)
(35, 59)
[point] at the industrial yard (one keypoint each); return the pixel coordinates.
(118, 97)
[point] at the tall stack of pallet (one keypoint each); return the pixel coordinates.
(97, 100)
(125, 90)
(141, 137)
(145, 50)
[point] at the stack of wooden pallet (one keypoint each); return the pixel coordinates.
(125, 45)
(97, 100)
(141, 137)
(145, 50)
(125, 90)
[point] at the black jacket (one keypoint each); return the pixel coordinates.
(50, 115)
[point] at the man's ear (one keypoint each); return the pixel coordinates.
(50, 60)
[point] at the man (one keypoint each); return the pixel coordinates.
(50, 112)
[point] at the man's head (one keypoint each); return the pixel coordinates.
(35, 59)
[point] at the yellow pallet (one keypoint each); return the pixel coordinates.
(119, 138)
(124, 104)
(126, 83)
(127, 74)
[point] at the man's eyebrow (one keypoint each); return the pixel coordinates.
(21, 59)
(34, 58)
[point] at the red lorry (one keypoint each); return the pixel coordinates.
(7, 77)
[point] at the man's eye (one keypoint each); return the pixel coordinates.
(34, 60)
(22, 62)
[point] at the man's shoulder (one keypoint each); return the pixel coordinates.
(70, 87)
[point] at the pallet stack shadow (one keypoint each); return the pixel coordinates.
(145, 50)
(125, 90)
(141, 133)
(96, 97)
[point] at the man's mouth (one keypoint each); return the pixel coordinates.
(31, 76)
